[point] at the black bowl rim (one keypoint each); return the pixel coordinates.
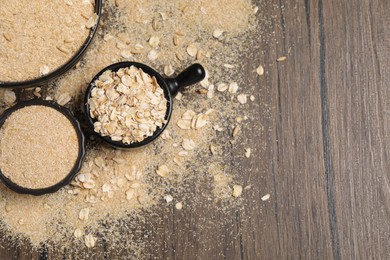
(167, 93)
(65, 67)
(81, 155)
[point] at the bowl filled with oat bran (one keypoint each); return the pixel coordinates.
(41, 40)
(42, 147)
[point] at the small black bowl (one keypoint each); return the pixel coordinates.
(81, 139)
(62, 69)
(171, 87)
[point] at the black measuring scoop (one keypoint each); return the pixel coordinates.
(171, 86)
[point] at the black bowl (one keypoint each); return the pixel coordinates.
(78, 164)
(62, 69)
(171, 87)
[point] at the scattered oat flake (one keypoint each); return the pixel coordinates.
(121, 45)
(188, 115)
(155, 24)
(99, 161)
(233, 87)
(152, 55)
(252, 98)
(7, 36)
(126, 54)
(90, 241)
(168, 70)
(84, 214)
(154, 41)
(179, 205)
(210, 111)
(217, 33)
(248, 152)
(168, 198)
(280, 59)
(242, 98)
(237, 190)
(218, 128)
(260, 70)
(64, 99)
(183, 153)
(210, 92)
(130, 194)
(202, 91)
(201, 121)
(178, 161)
(212, 149)
(179, 96)
(266, 197)
(138, 48)
(106, 188)
(108, 37)
(9, 97)
(228, 66)
(222, 87)
(192, 50)
(118, 160)
(236, 131)
(44, 70)
(165, 135)
(91, 21)
(63, 49)
(188, 144)
(78, 233)
(163, 171)
(184, 124)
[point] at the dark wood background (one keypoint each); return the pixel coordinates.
(321, 141)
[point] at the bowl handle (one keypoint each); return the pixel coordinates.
(191, 75)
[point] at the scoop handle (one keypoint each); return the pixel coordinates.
(191, 75)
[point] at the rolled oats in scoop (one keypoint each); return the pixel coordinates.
(128, 105)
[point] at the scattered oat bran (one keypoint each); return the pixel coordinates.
(146, 188)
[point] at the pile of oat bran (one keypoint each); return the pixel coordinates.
(113, 184)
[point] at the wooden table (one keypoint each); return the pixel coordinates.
(320, 135)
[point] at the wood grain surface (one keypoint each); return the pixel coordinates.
(320, 140)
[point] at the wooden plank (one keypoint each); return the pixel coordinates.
(300, 184)
(355, 71)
